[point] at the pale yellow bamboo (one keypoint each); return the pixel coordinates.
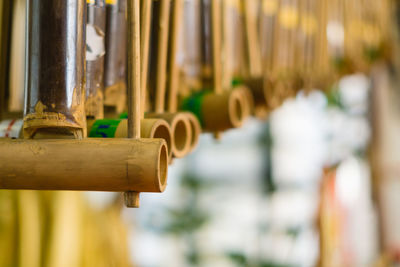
(134, 100)
(216, 45)
(133, 69)
(115, 165)
(174, 46)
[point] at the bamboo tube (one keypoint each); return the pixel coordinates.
(216, 45)
(162, 55)
(217, 109)
(95, 33)
(146, 6)
(17, 57)
(115, 57)
(181, 131)
(217, 112)
(150, 128)
(5, 21)
(56, 67)
(175, 30)
(195, 130)
(253, 50)
(118, 128)
(180, 125)
(115, 165)
(133, 74)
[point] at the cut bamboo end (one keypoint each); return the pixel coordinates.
(132, 199)
(114, 165)
(224, 111)
(157, 128)
(181, 132)
(196, 130)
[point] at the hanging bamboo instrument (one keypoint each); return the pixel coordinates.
(179, 123)
(217, 109)
(56, 64)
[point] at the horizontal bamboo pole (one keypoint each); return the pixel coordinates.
(114, 165)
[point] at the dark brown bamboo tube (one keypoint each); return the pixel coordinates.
(133, 76)
(5, 20)
(56, 67)
(115, 57)
(95, 34)
(116, 165)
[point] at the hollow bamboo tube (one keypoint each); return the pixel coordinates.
(90, 164)
(195, 130)
(218, 112)
(118, 128)
(95, 33)
(180, 125)
(173, 82)
(146, 6)
(133, 75)
(56, 67)
(181, 131)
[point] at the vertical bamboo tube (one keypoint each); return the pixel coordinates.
(56, 67)
(161, 58)
(95, 34)
(173, 81)
(216, 45)
(115, 57)
(173, 71)
(133, 73)
(146, 6)
(180, 125)
(217, 109)
(253, 50)
(5, 16)
(17, 57)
